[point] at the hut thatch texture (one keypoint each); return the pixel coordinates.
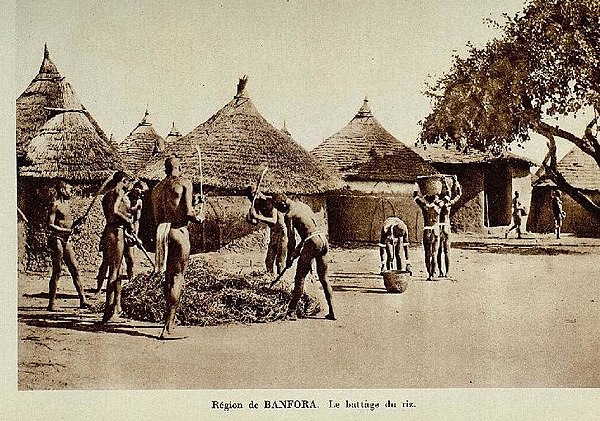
(580, 170)
(48, 90)
(236, 144)
(364, 151)
(142, 144)
(69, 147)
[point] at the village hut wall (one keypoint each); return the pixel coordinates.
(578, 221)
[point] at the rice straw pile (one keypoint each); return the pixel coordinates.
(212, 297)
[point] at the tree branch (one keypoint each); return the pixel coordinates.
(574, 192)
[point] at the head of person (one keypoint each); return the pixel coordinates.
(120, 179)
(64, 190)
(557, 193)
(139, 188)
(397, 231)
(281, 202)
(173, 166)
(249, 192)
(516, 194)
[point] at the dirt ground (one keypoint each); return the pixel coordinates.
(516, 313)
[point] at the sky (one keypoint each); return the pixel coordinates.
(310, 63)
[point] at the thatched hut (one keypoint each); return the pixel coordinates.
(140, 145)
(47, 91)
(173, 136)
(380, 172)
(68, 145)
(236, 144)
(582, 172)
(488, 182)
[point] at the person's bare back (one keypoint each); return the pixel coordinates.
(170, 200)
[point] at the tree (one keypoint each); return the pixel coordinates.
(545, 64)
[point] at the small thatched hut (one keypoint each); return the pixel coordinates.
(488, 182)
(582, 172)
(68, 145)
(140, 145)
(173, 136)
(380, 172)
(236, 144)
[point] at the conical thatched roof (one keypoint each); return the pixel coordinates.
(47, 90)
(173, 136)
(364, 151)
(142, 143)
(236, 144)
(69, 147)
(580, 170)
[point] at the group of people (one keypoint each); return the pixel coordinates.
(436, 226)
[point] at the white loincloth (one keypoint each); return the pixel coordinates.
(162, 243)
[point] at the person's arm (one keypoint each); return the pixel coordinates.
(260, 217)
(189, 208)
(291, 247)
(457, 194)
(52, 221)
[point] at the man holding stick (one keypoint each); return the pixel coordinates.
(299, 217)
(173, 210)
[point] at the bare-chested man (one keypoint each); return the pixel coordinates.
(517, 212)
(394, 238)
(300, 218)
(431, 208)
(116, 207)
(264, 211)
(449, 197)
(173, 209)
(60, 222)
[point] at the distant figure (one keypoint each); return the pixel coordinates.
(558, 212)
(173, 208)
(264, 211)
(517, 213)
(60, 222)
(448, 199)
(300, 218)
(431, 207)
(116, 208)
(394, 238)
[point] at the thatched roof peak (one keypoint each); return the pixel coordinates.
(241, 88)
(364, 111)
(142, 144)
(174, 131)
(48, 69)
(236, 143)
(365, 151)
(285, 130)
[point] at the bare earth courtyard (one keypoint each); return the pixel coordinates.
(515, 314)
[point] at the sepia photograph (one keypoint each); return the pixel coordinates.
(303, 209)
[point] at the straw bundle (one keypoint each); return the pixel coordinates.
(212, 297)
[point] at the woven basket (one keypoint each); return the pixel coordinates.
(430, 184)
(395, 281)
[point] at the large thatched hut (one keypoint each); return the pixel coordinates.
(67, 145)
(236, 144)
(140, 145)
(488, 182)
(582, 172)
(380, 172)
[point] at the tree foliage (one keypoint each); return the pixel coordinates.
(545, 64)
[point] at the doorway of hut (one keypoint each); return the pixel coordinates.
(498, 195)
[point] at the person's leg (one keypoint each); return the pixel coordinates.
(327, 290)
(103, 271)
(114, 249)
(398, 256)
(389, 250)
(302, 268)
(271, 252)
(427, 251)
(129, 261)
(56, 250)
(281, 252)
(447, 253)
(177, 261)
(440, 253)
(435, 243)
(71, 262)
